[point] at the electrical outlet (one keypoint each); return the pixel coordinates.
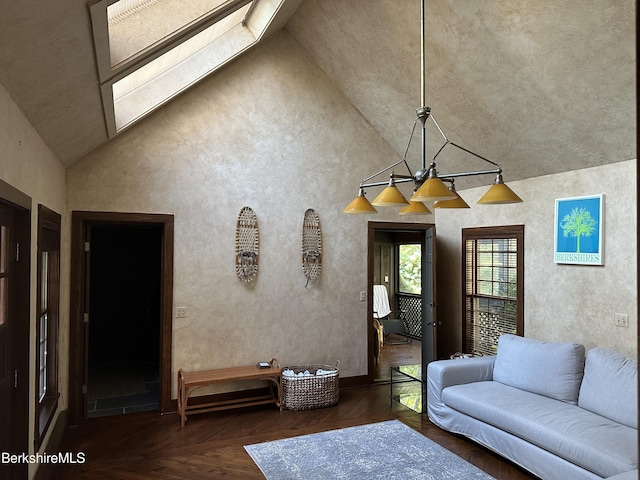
(621, 319)
(181, 312)
(363, 296)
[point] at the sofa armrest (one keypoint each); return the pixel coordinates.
(631, 475)
(445, 373)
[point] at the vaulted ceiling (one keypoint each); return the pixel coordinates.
(539, 86)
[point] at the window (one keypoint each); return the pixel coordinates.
(43, 336)
(408, 296)
(493, 285)
(410, 269)
(136, 25)
(162, 78)
(149, 51)
(48, 301)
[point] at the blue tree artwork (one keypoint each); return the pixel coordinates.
(578, 230)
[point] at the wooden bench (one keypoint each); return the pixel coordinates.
(188, 382)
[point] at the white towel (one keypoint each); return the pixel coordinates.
(381, 306)
(306, 373)
(291, 373)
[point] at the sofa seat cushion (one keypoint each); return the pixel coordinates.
(586, 439)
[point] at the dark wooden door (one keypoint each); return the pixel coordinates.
(14, 336)
(7, 367)
(429, 318)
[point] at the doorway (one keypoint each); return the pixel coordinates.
(15, 253)
(120, 340)
(384, 253)
(124, 312)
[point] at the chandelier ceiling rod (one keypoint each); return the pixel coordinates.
(423, 112)
(423, 67)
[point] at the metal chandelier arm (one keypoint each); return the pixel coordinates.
(445, 176)
(397, 179)
(411, 178)
(468, 151)
(497, 170)
(402, 160)
(365, 180)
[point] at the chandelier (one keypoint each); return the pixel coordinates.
(429, 184)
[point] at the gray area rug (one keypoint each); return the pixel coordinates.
(385, 450)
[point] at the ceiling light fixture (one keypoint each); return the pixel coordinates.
(360, 205)
(429, 184)
(455, 202)
(414, 208)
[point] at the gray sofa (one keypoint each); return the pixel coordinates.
(544, 407)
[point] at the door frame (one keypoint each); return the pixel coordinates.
(81, 222)
(372, 227)
(20, 203)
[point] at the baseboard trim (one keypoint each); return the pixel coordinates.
(350, 382)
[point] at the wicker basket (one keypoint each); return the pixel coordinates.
(310, 391)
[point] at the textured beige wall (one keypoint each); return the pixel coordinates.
(284, 139)
(562, 302)
(27, 164)
(505, 78)
(272, 133)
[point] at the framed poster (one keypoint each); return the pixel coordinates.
(579, 230)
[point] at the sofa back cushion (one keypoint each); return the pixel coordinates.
(551, 369)
(609, 387)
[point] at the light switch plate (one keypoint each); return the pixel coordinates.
(621, 319)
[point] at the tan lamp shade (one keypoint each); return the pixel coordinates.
(390, 197)
(433, 189)
(414, 208)
(457, 202)
(360, 205)
(499, 193)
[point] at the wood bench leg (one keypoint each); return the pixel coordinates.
(182, 406)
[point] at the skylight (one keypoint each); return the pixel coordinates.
(155, 49)
(159, 80)
(135, 25)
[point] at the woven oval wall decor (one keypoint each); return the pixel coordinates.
(311, 246)
(247, 241)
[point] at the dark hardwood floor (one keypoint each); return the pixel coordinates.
(148, 445)
(396, 354)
